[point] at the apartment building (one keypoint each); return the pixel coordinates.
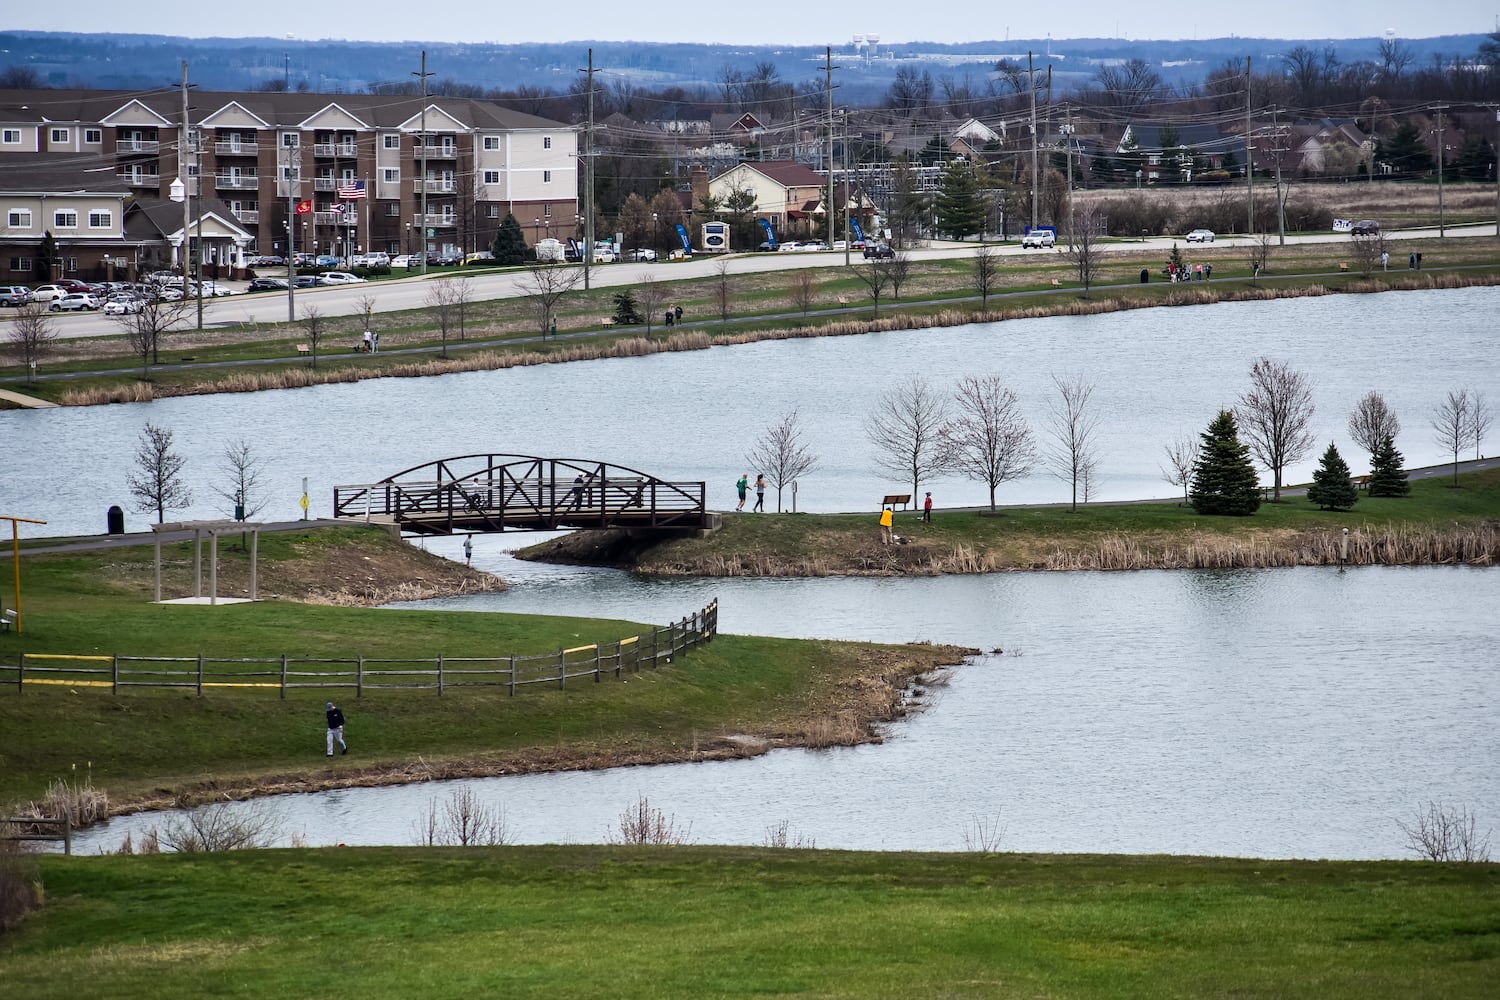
(338, 174)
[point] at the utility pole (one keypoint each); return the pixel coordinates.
(1035, 180)
(1249, 159)
(1440, 109)
(588, 179)
(422, 180)
(1067, 132)
(187, 191)
(828, 85)
(1495, 165)
(1280, 198)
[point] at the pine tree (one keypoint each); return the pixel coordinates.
(510, 243)
(959, 206)
(1387, 475)
(1224, 480)
(1332, 487)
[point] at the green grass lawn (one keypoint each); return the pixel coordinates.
(618, 922)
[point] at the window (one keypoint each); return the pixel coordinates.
(291, 173)
(20, 263)
(546, 177)
(291, 140)
(393, 210)
(94, 136)
(101, 219)
(59, 135)
(392, 140)
(492, 142)
(492, 211)
(19, 218)
(65, 219)
(546, 142)
(391, 175)
(492, 177)
(10, 136)
(71, 263)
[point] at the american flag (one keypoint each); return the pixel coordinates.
(351, 190)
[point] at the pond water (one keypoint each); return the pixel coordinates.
(1267, 713)
(1159, 373)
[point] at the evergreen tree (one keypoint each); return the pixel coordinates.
(1224, 480)
(1332, 487)
(1387, 474)
(46, 255)
(627, 312)
(933, 152)
(510, 243)
(1406, 151)
(959, 205)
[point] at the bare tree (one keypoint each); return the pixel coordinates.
(461, 821)
(876, 275)
(366, 306)
(986, 272)
(144, 327)
(906, 429)
(1182, 458)
(899, 268)
(1372, 422)
(1454, 423)
(1087, 253)
(156, 484)
(989, 440)
(1366, 249)
(31, 334)
(442, 303)
(641, 823)
(781, 455)
(1440, 832)
(1073, 425)
(222, 826)
(463, 295)
(312, 325)
(804, 290)
(545, 287)
(1479, 424)
(722, 285)
(650, 295)
(1275, 415)
(1261, 244)
(241, 469)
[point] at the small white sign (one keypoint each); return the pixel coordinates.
(1342, 225)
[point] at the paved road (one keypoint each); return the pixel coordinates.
(266, 308)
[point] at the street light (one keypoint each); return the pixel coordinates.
(655, 233)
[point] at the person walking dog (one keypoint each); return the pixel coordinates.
(335, 727)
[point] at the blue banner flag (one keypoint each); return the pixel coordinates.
(687, 245)
(770, 233)
(859, 233)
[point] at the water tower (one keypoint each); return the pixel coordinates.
(874, 41)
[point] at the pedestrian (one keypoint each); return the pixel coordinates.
(1419, 260)
(375, 343)
(668, 316)
(1385, 260)
(741, 487)
(554, 328)
(927, 508)
(577, 492)
(1208, 272)
(1254, 268)
(365, 346)
(1411, 262)
(335, 727)
(468, 549)
(886, 518)
(1197, 272)
(760, 492)
(677, 312)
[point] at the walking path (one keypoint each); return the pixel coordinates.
(23, 401)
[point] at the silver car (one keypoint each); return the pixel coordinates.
(74, 302)
(1200, 236)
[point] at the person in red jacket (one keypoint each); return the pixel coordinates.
(927, 509)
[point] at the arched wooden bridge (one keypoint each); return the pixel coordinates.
(484, 493)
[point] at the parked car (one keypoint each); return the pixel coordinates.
(643, 253)
(1039, 239)
(604, 255)
(813, 245)
(766, 247)
(123, 305)
(879, 251)
(306, 281)
(1365, 227)
(480, 257)
(74, 302)
(267, 285)
(1200, 236)
(790, 246)
(339, 278)
(15, 295)
(212, 288)
(448, 259)
(268, 260)
(406, 260)
(46, 293)
(373, 259)
(328, 260)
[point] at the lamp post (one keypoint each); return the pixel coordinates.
(655, 233)
(408, 244)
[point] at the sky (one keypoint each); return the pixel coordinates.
(773, 22)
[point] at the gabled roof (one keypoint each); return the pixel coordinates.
(787, 173)
(234, 113)
(37, 174)
(1207, 138)
(334, 116)
(156, 219)
(134, 113)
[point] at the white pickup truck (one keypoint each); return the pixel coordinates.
(1039, 239)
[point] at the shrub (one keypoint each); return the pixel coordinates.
(642, 824)
(220, 826)
(1440, 832)
(462, 821)
(20, 886)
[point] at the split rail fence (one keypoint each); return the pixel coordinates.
(361, 674)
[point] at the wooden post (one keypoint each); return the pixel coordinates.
(20, 671)
(440, 675)
(200, 675)
(596, 663)
(283, 677)
(359, 677)
(67, 832)
(512, 675)
(562, 670)
(114, 676)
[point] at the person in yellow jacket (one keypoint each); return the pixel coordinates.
(886, 518)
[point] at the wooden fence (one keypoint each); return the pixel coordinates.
(36, 828)
(286, 673)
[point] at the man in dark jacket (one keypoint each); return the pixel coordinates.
(335, 727)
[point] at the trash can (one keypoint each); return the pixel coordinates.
(1145, 275)
(116, 520)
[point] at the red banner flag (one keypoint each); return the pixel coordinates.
(304, 207)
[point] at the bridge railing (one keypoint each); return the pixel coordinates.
(285, 673)
(594, 501)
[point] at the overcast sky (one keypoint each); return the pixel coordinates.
(766, 22)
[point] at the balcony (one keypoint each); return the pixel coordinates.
(325, 183)
(435, 186)
(335, 149)
(440, 151)
(438, 219)
(250, 216)
(141, 180)
(236, 182)
(237, 147)
(135, 147)
(333, 219)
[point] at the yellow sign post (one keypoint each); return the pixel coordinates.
(15, 556)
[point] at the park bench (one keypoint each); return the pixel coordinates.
(1343, 265)
(607, 321)
(7, 620)
(1363, 483)
(304, 349)
(893, 499)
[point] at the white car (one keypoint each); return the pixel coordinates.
(1039, 239)
(604, 255)
(643, 253)
(406, 260)
(46, 293)
(790, 247)
(339, 278)
(122, 306)
(211, 289)
(815, 245)
(1200, 236)
(74, 302)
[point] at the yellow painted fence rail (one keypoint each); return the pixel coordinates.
(285, 673)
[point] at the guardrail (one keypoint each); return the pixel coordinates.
(286, 673)
(33, 828)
